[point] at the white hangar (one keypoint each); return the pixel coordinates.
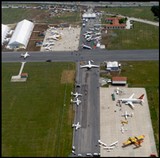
(5, 30)
(21, 35)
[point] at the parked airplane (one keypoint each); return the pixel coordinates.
(127, 115)
(123, 129)
(124, 122)
(25, 55)
(132, 100)
(89, 65)
(86, 47)
(76, 94)
(76, 101)
(77, 126)
(118, 91)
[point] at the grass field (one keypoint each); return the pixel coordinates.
(142, 36)
(146, 74)
(35, 121)
(37, 15)
(137, 12)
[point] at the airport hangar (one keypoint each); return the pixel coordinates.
(21, 35)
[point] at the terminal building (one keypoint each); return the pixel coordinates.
(112, 66)
(21, 35)
(89, 16)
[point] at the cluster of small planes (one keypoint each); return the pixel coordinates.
(93, 34)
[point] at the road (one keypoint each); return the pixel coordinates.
(96, 55)
(135, 19)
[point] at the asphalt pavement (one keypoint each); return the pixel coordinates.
(87, 113)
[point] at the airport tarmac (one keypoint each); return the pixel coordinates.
(138, 124)
(69, 40)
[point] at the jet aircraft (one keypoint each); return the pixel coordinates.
(89, 65)
(131, 100)
(25, 55)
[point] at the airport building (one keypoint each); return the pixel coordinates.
(21, 35)
(112, 66)
(114, 23)
(5, 30)
(89, 15)
(119, 80)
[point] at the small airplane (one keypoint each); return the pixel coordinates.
(76, 101)
(118, 91)
(76, 94)
(132, 100)
(111, 146)
(127, 115)
(124, 122)
(86, 47)
(25, 55)
(123, 129)
(89, 65)
(77, 126)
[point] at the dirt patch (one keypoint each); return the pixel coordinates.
(40, 27)
(32, 46)
(68, 76)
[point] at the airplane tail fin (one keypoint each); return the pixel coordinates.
(71, 100)
(71, 93)
(141, 97)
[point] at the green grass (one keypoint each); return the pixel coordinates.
(137, 12)
(38, 15)
(142, 36)
(35, 121)
(146, 74)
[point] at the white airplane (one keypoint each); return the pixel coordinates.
(89, 65)
(126, 114)
(132, 100)
(122, 129)
(76, 101)
(76, 94)
(25, 55)
(118, 91)
(86, 47)
(77, 126)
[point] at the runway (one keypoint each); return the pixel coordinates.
(87, 113)
(83, 55)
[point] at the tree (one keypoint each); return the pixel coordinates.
(155, 10)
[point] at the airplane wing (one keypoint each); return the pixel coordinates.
(130, 103)
(131, 96)
(95, 66)
(84, 66)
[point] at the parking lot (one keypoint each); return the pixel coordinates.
(138, 124)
